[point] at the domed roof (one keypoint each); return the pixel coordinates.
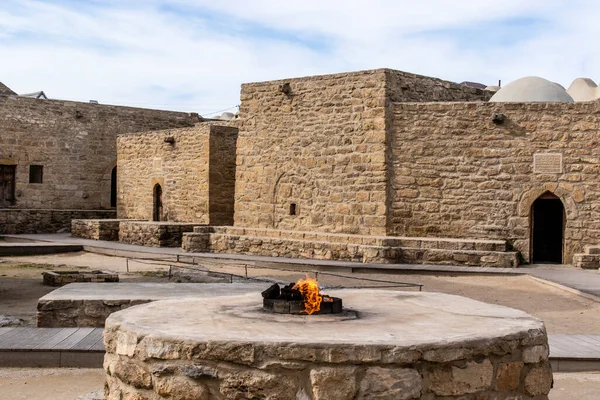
(532, 89)
(584, 89)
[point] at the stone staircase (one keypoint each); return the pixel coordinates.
(589, 259)
(345, 247)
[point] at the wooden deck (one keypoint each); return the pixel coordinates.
(51, 347)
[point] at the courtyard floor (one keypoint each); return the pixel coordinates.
(21, 285)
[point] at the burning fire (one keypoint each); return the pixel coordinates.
(309, 288)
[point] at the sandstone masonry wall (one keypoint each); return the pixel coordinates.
(196, 173)
(318, 145)
(41, 220)
(221, 186)
(455, 173)
(75, 144)
(181, 168)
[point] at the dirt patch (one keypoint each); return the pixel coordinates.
(563, 312)
(49, 383)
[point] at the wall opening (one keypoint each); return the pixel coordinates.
(293, 209)
(36, 173)
(7, 185)
(547, 229)
(157, 209)
(113, 187)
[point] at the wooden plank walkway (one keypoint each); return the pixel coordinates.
(51, 347)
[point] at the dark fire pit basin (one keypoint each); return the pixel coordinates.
(297, 307)
(287, 300)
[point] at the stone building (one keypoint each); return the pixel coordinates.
(58, 158)
(382, 166)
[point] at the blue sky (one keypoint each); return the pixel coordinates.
(192, 55)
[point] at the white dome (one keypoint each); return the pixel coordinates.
(584, 89)
(532, 89)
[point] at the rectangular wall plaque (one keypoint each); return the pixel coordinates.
(548, 163)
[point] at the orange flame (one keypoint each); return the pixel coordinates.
(310, 292)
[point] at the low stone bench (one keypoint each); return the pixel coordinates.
(96, 229)
(154, 234)
(89, 304)
(61, 278)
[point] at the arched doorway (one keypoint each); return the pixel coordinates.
(547, 229)
(113, 187)
(157, 207)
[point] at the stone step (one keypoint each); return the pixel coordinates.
(343, 251)
(393, 241)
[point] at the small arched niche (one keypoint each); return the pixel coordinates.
(548, 220)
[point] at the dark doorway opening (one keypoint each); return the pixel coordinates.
(113, 187)
(7, 185)
(547, 229)
(157, 209)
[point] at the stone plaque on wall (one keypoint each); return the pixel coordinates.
(157, 165)
(548, 163)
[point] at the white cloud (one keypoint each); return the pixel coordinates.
(193, 54)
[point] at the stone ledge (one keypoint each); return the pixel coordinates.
(304, 247)
(154, 234)
(96, 229)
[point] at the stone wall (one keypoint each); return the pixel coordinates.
(456, 173)
(76, 145)
(182, 169)
(96, 229)
(316, 146)
(154, 234)
(406, 87)
(50, 221)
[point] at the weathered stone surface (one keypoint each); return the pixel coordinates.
(508, 376)
(361, 248)
(333, 383)
(181, 388)
(391, 384)
(535, 354)
(406, 345)
(483, 187)
(453, 381)
(75, 143)
(258, 385)
(89, 304)
(196, 174)
(539, 380)
(329, 157)
(156, 234)
(133, 374)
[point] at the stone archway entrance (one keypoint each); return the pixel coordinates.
(547, 229)
(157, 204)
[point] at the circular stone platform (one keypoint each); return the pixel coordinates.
(402, 345)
